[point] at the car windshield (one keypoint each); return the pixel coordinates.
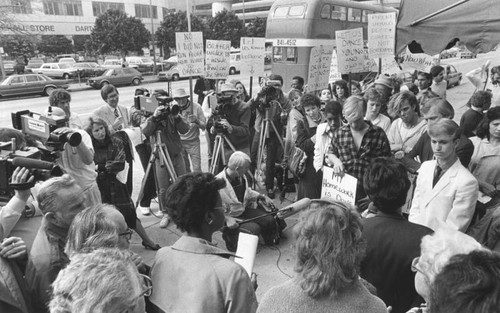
(146, 60)
(167, 66)
(64, 65)
(108, 72)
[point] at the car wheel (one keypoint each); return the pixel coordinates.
(104, 84)
(232, 71)
(136, 81)
(175, 77)
(48, 90)
(66, 76)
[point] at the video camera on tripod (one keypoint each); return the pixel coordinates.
(43, 128)
(268, 94)
(160, 98)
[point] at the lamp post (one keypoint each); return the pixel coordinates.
(152, 36)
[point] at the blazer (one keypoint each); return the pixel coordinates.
(107, 113)
(451, 201)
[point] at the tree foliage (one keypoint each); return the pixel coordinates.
(256, 27)
(177, 22)
(115, 31)
(16, 45)
(55, 44)
(226, 26)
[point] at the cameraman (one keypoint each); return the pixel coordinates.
(232, 116)
(272, 99)
(170, 126)
(78, 161)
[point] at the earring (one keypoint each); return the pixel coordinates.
(210, 222)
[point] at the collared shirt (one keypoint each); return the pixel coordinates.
(46, 259)
(195, 276)
(374, 144)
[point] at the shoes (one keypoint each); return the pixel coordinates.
(149, 247)
(145, 210)
(270, 193)
(164, 221)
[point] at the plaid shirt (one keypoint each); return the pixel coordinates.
(374, 144)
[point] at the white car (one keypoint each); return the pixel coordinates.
(57, 70)
(112, 63)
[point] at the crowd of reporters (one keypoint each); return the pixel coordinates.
(403, 244)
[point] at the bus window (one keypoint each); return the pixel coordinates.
(291, 55)
(354, 15)
(277, 54)
(325, 11)
(281, 11)
(297, 10)
(365, 15)
(338, 13)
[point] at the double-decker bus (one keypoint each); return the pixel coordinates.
(295, 26)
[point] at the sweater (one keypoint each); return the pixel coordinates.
(290, 298)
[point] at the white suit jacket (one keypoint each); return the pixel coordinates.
(107, 113)
(321, 146)
(451, 201)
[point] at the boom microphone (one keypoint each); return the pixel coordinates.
(32, 163)
(294, 208)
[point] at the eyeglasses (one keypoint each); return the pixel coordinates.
(127, 234)
(414, 264)
(147, 286)
(113, 96)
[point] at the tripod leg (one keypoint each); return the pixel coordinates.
(146, 174)
(168, 163)
(262, 142)
(277, 135)
(215, 154)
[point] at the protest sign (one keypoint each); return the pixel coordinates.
(418, 61)
(319, 67)
(217, 58)
(190, 53)
(253, 52)
(334, 68)
(350, 52)
(381, 34)
(338, 188)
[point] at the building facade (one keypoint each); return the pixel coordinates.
(73, 17)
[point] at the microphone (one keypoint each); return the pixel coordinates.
(294, 208)
(32, 163)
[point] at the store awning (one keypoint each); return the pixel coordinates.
(434, 25)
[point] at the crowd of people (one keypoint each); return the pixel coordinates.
(424, 235)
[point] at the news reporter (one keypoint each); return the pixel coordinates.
(329, 249)
(194, 275)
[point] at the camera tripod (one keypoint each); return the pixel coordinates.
(159, 153)
(264, 134)
(218, 152)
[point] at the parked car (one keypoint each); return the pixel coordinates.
(30, 84)
(142, 64)
(57, 70)
(170, 72)
(116, 76)
(89, 69)
(454, 76)
(234, 62)
(67, 60)
(34, 64)
(8, 66)
(466, 54)
(112, 63)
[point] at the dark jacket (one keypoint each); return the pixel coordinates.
(170, 129)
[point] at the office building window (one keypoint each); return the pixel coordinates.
(144, 11)
(99, 7)
(63, 7)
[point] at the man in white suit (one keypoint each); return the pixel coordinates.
(115, 115)
(446, 192)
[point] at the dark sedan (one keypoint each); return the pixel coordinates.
(89, 69)
(117, 76)
(27, 84)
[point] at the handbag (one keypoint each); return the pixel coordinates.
(296, 162)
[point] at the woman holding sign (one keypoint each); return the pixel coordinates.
(194, 275)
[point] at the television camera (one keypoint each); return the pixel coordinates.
(224, 101)
(269, 94)
(43, 128)
(148, 104)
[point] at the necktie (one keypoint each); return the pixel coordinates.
(116, 113)
(437, 174)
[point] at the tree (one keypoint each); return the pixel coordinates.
(55, 44)
(177, 22)
(16, 45)
(226, 26)
(256, 27)
(115, 31)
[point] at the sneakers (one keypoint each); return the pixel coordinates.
(164, 221)
(145, 210)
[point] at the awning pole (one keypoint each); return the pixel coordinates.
(451, 6)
